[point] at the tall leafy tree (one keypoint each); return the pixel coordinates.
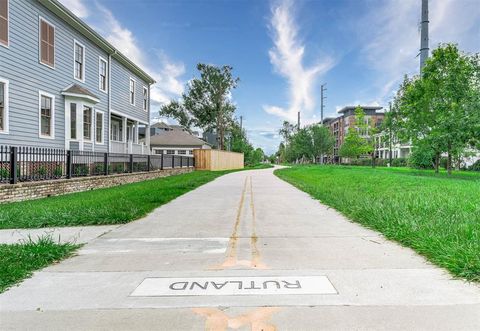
(323, 141)
(206, 104)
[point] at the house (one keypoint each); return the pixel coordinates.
(176, 142)
(64, 86)
(339, 125)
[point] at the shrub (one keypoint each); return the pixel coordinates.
(4, 173)
(58, 171)
(400, 162)
(80, 169)
(422, 157)
(475, 166)
(41, 171)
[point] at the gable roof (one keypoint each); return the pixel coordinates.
(76, 90)
(347, 108)
(61, 11)
(175, 138)
(161, 125)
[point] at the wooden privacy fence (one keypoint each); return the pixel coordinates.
(214, 159)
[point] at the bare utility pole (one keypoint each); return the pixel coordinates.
(298, 121)
(241, 123)
(390, 138)
(424, 35)
(322, 97)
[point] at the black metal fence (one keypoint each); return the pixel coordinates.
(23, 164)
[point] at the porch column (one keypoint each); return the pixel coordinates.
(147, 137)
(135, 136)
(124, 133)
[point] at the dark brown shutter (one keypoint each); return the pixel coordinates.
(47, 43)
(4, 21)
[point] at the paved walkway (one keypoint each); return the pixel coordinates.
(73, 234)
(244, 252)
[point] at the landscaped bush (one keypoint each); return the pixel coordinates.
(422, 158)
(475, 166)
(400, 162)
(80, 169)
(4, 173)
(58, 171)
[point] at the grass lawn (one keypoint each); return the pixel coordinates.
(19, 261)
(114, 205)
(437, 216)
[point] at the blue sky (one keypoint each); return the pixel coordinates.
(281, 50)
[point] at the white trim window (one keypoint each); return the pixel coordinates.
(87, 123)
(102, 74)
(132, 91)
(47, 43)
(78, 61)
(73, 121)
(4, 23)
(145, 98)
(99, 133)
(46, 120)
(170, 151)
(3, 105)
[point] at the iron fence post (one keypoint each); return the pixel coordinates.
(181, 161)
(173, 161)
(105, 164)
(161, 162)
(148, 162)
(13, 165)
(69, 164)
(131, 163)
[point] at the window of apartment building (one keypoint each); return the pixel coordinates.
(159, 151)
(102, 75)
(99, 128)
(132, 92)
(47, 115)
(79, 61)
(145, 98)
(3, 106)
(182, 152)
(4, 22)
(87, 123)
(73, 121)
(170, 151)
(47, 43)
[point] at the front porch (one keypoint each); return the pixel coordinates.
(125, 136)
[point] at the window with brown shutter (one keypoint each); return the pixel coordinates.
(47, 43)
(4, 22)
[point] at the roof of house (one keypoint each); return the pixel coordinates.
(76, 90)
(347, 108)
(175, 138)
(161, 125)
(61, 11)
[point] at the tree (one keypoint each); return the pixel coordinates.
(287, 130)
(323, 141)
(206, 104)
(441, 107)
(355, 143)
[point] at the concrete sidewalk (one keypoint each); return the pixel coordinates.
(249, 252)
(72, 234)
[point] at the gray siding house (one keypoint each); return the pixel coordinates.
(62, 85)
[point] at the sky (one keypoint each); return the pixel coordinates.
(282, 50)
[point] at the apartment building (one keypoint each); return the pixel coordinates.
(64, 86)
(339, 126)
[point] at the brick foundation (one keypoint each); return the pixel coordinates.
(43, 189)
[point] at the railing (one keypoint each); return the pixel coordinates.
(23, 164)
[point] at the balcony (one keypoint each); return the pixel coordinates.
(128, 148)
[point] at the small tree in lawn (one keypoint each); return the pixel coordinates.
(323, 141)
(207, 101)
(355, 143)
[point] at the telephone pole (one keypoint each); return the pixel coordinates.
(322, 97)
(298, 121)
(241, 123)
(424, 35)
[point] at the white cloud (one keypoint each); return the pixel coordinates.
(166, 72)
(77, 7)
(287, 57)
(390, 36)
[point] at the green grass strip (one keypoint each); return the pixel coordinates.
(19, 261)
(114, 205)
(437, 216)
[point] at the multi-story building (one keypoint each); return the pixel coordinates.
(339, 125)
(383, 147)
(62, 85)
